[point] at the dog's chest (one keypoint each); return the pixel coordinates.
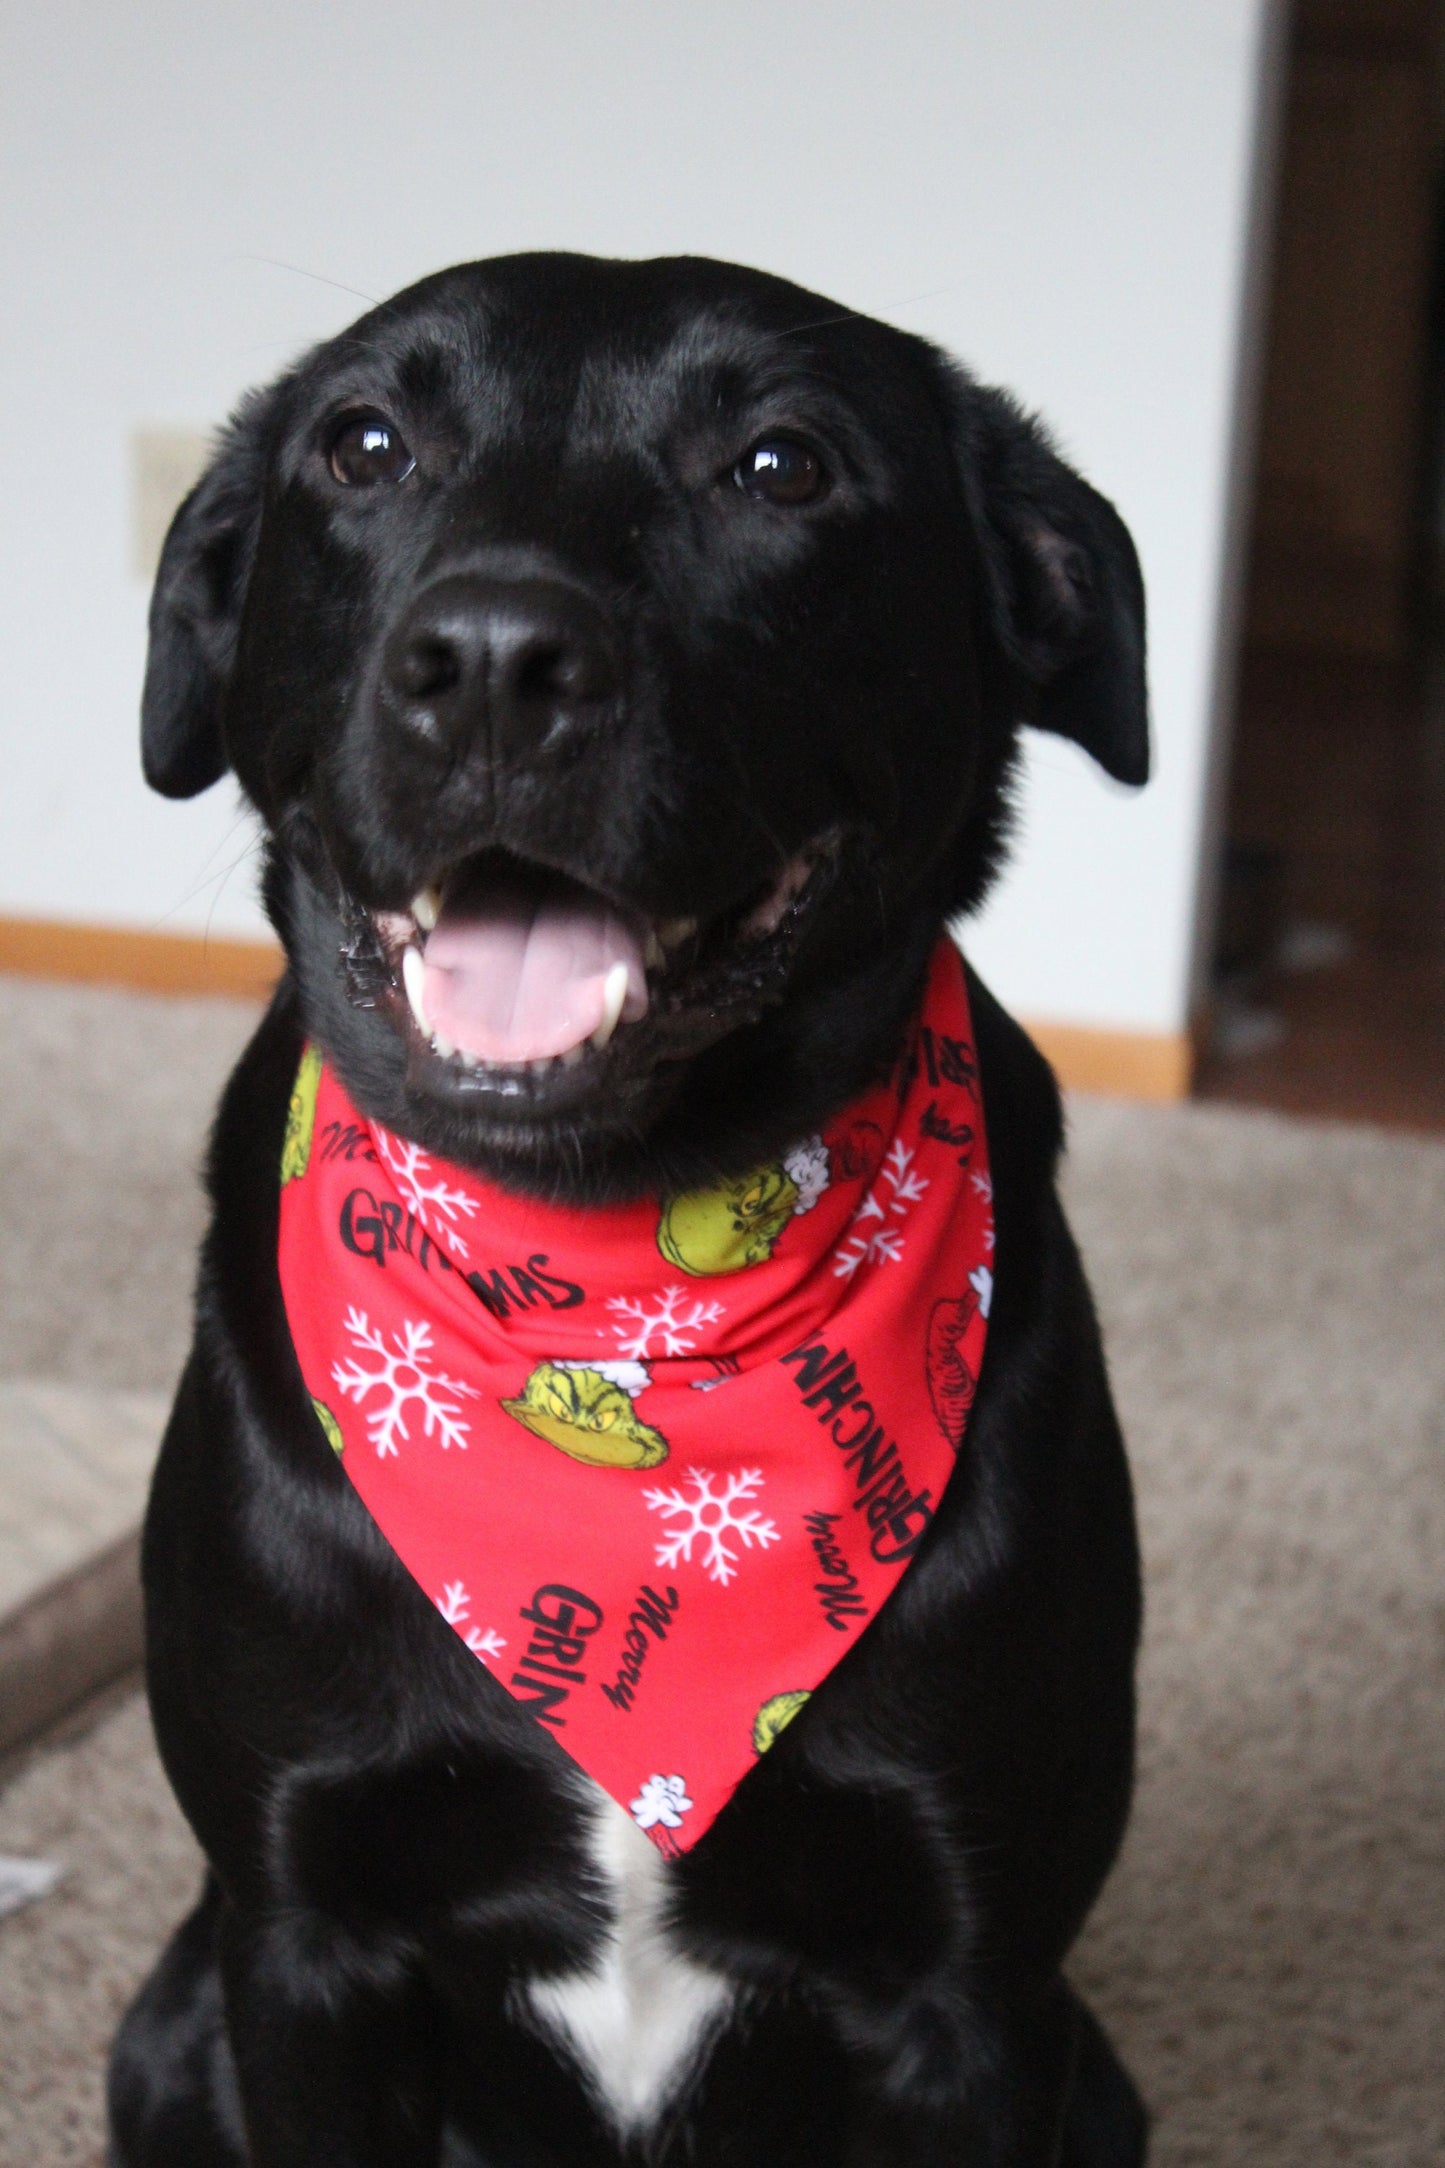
(637, 2021)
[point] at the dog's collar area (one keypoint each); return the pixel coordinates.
(850, 1270)
(508, 979)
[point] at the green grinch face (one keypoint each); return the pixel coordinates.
(774, 1716)
(587, 1415)
(709, 1231)
(329, 1425)
(301, 1116)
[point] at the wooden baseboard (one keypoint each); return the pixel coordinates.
(1120, 1064)
(1128, 1064)
(156, 963)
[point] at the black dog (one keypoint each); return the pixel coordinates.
(674, 587)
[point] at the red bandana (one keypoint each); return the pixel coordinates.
(658, 1464)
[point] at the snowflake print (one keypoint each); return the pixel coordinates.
(907, 1186)
(712, 1518)
(983, 1183)
(981, 1281)
(453, 1604)
(662, 1799)
(883, 1244)
(669, 1317)
(404, 1375)
(410, 1164)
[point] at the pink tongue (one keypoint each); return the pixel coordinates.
(520, 980)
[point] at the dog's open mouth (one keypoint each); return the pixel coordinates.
(512, 979)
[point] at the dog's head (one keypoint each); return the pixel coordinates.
(627, 660)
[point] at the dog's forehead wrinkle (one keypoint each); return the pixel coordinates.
(722, 370)
(460, 386)
(623, 399)
(447, 370)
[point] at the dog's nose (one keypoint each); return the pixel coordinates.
(516, 664)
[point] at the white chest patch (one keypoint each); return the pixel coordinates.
(636, 2021)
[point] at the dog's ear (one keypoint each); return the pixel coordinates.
(1065, 593)
(195, 612)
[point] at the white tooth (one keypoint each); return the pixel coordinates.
(672, 931)
(572, 1056)
(655, 955)
(426, 908)
(614, 993)
(413, 978)
(541, 1065)
(442, 1046)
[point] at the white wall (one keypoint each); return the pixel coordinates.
(1058, 192)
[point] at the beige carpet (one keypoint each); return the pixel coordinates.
(1271, 1951)
(105, 1101)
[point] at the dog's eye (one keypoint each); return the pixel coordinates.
(780, 471)
(367, 449)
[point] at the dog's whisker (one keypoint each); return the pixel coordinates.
(213, 878)
(300, 271)
(863, 316)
